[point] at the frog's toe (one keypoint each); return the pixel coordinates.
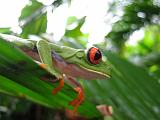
(74, 102)
(58, 88)
(77, 101)
(42, 65)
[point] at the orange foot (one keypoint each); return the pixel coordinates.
(58, 88)
(42, 65)
(77, 101)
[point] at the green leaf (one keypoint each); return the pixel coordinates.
(33, 19)
(141, 11)
(133, 93)
(74, 33)
(21, 77)
(5, 30)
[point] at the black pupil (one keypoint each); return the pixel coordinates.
(97, 55)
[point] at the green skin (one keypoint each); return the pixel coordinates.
(72, 62)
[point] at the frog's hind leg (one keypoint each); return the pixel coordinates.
(77, 101)
(80, 96)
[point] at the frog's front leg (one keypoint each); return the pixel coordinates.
(47, 57)
(44, 51)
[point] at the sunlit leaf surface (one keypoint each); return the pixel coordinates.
(33, 19)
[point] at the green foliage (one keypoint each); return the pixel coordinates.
(5, 30)
(21, 77)
(136, 15)
(147, 49)
(133, 93)
(75, 33)
(33, 19)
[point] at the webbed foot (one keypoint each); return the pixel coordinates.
(77, 101)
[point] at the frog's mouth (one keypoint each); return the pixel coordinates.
(100, 75)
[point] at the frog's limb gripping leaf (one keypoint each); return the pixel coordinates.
(58, 88)
(77, 101)
(45, 52)
(45, 56)
(42, 65)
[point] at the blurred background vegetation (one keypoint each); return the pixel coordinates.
(128, 33)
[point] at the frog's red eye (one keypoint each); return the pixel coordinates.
(94, 56)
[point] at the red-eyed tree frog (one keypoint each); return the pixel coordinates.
(66, 63)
